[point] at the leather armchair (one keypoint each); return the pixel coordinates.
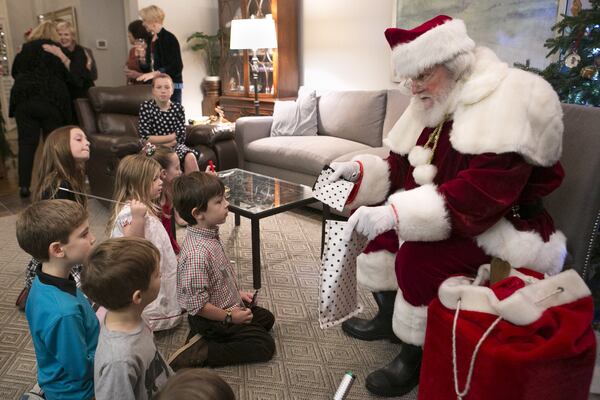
(109, 117)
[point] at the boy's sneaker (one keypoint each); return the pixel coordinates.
(192, 354)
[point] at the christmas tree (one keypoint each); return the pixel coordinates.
(576, 74)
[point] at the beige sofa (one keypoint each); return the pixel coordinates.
(349, 123)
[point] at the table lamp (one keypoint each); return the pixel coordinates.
(253, 34)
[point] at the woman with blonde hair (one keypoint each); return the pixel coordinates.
(82, 64)
(39, 98)
(138, 188)
(164, 49)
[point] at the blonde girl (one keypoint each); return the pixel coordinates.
(138, 188)
(64, 155)
(169, 162)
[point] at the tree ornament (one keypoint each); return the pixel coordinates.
(587, 72)
(572, 60)
(575, 8)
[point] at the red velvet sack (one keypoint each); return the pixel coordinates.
(534, 339)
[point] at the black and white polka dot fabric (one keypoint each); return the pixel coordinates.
(339, 300)
(333, 194)
(154, 122)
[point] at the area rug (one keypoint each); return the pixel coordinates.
(309, 362)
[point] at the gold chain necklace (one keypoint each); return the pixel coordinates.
(434, 136)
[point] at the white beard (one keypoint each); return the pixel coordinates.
(443, 104)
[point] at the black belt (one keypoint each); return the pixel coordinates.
(527, 210)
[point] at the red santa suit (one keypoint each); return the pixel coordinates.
(480, 196)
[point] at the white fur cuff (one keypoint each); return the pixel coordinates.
(422, 214)
(375, 183)
(376, 271)
(409, 322)
(524, 248)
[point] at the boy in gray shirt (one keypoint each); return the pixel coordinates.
(123, 275)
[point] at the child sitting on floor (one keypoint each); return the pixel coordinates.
(123, 275)
(206, 288)
(138, 188)
(196, 384)
(63, 326)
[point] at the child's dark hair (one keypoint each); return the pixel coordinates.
(116, 268)
(196, 384)
(194, 191)
(137, 30)
(48, 221)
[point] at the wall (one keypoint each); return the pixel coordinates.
(184, 17)
(343, 46)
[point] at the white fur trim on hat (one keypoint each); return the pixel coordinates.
(376, 271)
(422, 214)
(524, 248)
(436, 46)
(409, 322)
(424, 174)
(375, 183)
(524, 306)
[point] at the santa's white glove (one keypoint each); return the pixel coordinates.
(349, 170)
(371, 221)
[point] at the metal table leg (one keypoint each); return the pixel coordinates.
(255, 234)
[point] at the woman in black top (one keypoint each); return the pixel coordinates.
(82, 66)
(164, 50)
(39, 99)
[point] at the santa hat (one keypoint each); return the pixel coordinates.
(434, 42)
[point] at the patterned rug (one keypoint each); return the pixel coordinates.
(309, 362)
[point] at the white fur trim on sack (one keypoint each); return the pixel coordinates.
(376, 271)
(422, 214)
(436, 46)
(375, 183)
(409, 322)
(524, 306)
(524, 248)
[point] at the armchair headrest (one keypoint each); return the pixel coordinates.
(120, 99)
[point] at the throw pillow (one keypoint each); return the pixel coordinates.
(296, 118)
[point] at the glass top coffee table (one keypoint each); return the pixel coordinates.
(256, 196)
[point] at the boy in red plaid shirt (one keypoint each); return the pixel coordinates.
(223, 329)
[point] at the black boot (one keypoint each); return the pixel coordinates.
(379, 327)
(398, 377)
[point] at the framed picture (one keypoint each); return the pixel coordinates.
(515, 30)
(64, 14)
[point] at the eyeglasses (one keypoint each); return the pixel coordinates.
(421, 80)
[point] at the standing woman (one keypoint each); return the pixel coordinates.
(39, 99)
(82, 66)
(138, 61)
(164, 49)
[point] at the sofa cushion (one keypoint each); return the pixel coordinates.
(306, 154)
(118, 124)
(382, 152)
(397, 101)
(353, 115)
(296, 118)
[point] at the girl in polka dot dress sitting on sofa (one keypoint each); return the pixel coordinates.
(162, 122)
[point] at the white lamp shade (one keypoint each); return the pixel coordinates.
(256, 33)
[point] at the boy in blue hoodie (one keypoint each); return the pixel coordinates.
(63, 325)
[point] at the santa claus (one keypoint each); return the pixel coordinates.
(470, 160)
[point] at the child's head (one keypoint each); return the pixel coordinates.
(122, 271)
(196, 384)
(199, 198)
(55, 230)
(137, 178)
(64, 155)
(168, 160)
(162, 88)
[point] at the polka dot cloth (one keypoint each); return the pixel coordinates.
(333, 194)
(338, 276)
(154, 122)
